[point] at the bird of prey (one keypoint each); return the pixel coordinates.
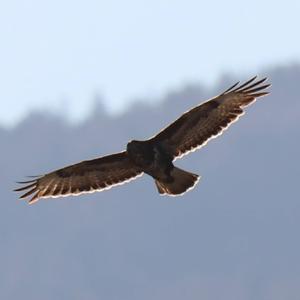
(154, 156)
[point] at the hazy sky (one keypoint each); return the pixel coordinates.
(60, 54)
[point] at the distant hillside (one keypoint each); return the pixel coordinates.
(235, 236)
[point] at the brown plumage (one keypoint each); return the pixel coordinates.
(85, 177)
(154, 156)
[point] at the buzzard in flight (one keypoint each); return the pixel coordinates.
(154, 156)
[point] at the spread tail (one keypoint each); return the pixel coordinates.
(181, 183)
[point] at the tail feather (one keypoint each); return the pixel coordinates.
(181, 183)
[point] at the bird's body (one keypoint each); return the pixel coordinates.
(154, 156)
(151, 157)
(155, 159)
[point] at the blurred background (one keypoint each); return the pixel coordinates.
(80, 79)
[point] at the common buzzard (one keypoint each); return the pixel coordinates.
(154, 156)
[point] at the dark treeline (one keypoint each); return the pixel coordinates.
(235, 236)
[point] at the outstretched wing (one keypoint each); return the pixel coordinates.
(85, 177)
(208, 120)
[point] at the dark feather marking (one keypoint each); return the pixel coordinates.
(237, 110)
(92, 184)
(231, 115)
(102, 185)
(47, 191)
(74, 189)
(84, 188)
(65, 189)
(25, 187)
(224, 123)
(257, 89)
(245, 89)
(246, 83)
(56, 191)
(28, 181)
(232, 87)
(34, 198)
(256, 95)
(28, 193)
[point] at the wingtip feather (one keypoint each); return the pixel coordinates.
(232, 87)
(34, 199)
(24, 187)
(24, 182)
(28, 193)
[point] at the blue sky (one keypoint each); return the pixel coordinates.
(59, 54)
